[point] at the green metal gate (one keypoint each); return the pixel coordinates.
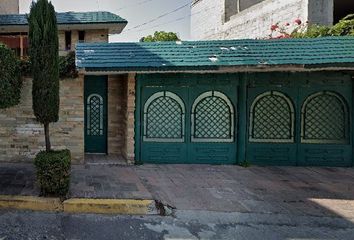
(187, 118)
(299, 119)
(95, 100)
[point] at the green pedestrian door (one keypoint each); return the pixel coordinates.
(188, 120)
(95, 98)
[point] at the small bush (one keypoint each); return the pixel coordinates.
(25, 67)
(67, 67)
(53, 172)
(10, 80)
(245, 164)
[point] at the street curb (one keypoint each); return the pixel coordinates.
(110, 206)
(79, 205)
(31, 203)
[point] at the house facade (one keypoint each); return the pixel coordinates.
(21, 137)
(235, 19)
(73, 27)
(264, 102)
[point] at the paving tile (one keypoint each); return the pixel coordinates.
(289, 190)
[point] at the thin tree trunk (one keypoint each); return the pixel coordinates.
(47, 138)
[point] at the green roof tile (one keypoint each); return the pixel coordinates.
(205, 55)
(65, 18)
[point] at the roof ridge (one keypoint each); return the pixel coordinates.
(287, 40)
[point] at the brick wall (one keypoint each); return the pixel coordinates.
(208, 17)
(21, 137)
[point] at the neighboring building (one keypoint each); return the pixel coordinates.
(73, 27)
(9, 7)
(21, 137)
(267, 102)
(240, 19)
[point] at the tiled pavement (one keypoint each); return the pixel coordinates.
(286, 190)
(17, 179)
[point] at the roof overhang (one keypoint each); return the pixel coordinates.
(113, 28)
(228, 69)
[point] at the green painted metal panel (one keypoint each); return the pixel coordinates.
(95, 102)
(188, 118)
(271, 140)
(321, 131)
(213, 121)
(325, 126)
(242, 119)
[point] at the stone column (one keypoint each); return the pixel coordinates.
(130, 119)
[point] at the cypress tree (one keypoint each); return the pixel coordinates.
(43, 51)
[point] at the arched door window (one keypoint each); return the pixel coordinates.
(164, 118)
(213, 118)
(94, 115)
(272, 118)
(324, 119)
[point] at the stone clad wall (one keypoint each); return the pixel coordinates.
(90, 37)
(21, 137)
(129, 118)
(116, 109)
(208, 17)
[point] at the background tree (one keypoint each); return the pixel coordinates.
(160, 37)
(44, 55)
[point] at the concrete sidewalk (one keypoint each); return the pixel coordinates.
(18, 179)
(278, 190)
(284, 190)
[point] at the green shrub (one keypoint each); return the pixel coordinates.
(67, 67)
(10, 80)
(245, 164)
(25, 67)
(53, 172)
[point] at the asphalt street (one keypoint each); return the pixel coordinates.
(184, 225)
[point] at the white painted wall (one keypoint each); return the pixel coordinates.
(9, 6)
(208, 19)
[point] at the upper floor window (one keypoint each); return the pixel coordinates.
(244, 4)
(68, 40)
(81, 36)
(232, 7)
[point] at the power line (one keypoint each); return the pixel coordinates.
(159, 17)
(135, 4)
(98, 4)
(172, 21)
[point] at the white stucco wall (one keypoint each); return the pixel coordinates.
(208, 19)
(9, 6)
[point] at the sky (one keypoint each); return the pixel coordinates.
(137, 12)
